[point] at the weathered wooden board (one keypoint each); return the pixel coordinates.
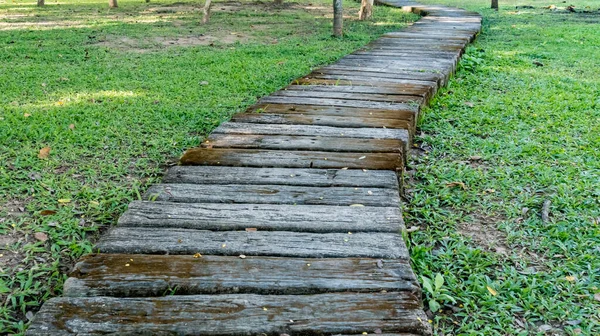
(311, 130)
(232, 315)
(264, 217)
(405, 90)
(291, 159)
(307, 143)
(131, 275)
(321, 120)
(138, 240)
(370, 70)
(356, 178)
(391, 98)
(272, 194)
(411, 35)
(360, 79)
(341, 102)
(332, 111)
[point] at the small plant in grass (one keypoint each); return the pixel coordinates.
(436, 292)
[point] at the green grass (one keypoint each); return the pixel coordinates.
(537, 131)
(118, 95)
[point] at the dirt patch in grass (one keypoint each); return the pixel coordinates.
(482, 230)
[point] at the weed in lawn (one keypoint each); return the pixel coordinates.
(518, 125)
(115, 96)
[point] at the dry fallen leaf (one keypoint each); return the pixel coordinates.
(597, 296)
(357, 205)
(469, 104)
(570, 278)
(250, 229)
(40, 236)
(26, 115)
(456, 184)
(242, 256)
(72, 126)
(44, 153)
(64, 201)
(47, 212)
(492, 291)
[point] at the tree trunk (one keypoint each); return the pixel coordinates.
(40, 3)
(366, 10)
(112, 4)
(338, 18)
(495, 4)
(206, 10)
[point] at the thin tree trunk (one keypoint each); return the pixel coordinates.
(495, 4)
(206, 16)
(366, 10)
(40, 3)
(338, 18)
(112, 4)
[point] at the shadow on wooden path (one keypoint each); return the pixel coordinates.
(286, 221)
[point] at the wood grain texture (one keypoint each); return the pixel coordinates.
(320, 120)
(259, 243)
(331, 111)
(291, 159)
(276, 217)
(312, 130)
(131, 275)
(232, 314)
(404, 90)
(391, 98)
(342, 102)
(283, 176)
(306, 143)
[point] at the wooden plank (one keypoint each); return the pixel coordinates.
(307, 143)
(411, 35)
(322, 120)
(130, 275)
(291, 159)
(232, 315)
(341, 102)
(308, 130)
(138, 240)
(385, 72)
(265, 217)
(359, 79)
(405, 90)
(283, 176)
(391, 98)
(331, 111)
(272, 194)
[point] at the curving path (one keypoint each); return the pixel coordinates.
(285, 221)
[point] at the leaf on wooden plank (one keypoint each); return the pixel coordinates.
(40, 236)
(492, 291)
(357, 205)
(251, 229)
(44, 153)
(197, 255)
(47, 212)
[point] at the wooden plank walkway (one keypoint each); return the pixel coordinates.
(287, 219)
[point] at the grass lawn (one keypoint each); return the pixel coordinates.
(116, 96)
(518, 125)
